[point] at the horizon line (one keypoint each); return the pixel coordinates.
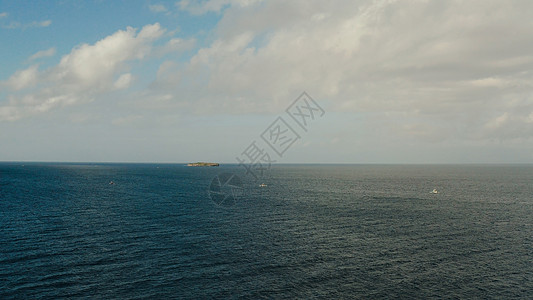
(284, 163)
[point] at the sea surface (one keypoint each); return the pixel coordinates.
(149, 231)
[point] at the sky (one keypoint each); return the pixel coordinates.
(410, 81)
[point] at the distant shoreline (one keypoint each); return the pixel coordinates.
(202, 164)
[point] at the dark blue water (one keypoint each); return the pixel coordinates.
(346, 231)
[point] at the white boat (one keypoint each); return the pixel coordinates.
(262, 185)
(434, 191)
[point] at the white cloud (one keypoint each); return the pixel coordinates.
(424, 69)
(202, 7)
(157, 8)
(43, 23)
(128, 120)
(43, 53)
(179, 45)
(509, 126)
(90, 66)
(464, 61)
(3, 15)
(23, 78)
(34, 24)
(87, 71)
(123, 81)
(9, 113)
(498, 122)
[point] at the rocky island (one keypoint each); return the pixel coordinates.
(203, 164)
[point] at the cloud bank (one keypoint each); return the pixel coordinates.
(427, 70)
(450, 69)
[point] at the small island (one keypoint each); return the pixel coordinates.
(203, 164)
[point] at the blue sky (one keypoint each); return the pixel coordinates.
(156, 81)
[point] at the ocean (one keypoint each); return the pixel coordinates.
(149, 231)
